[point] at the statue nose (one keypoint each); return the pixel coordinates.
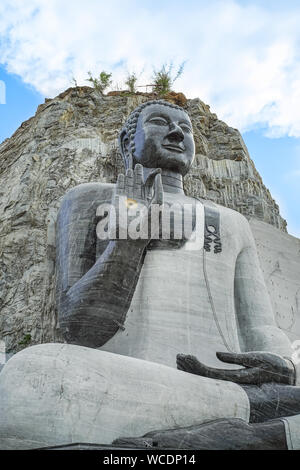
(175, 134)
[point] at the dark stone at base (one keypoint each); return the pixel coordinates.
(221, 434)
(86, 446)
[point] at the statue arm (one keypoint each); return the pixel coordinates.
(257, 325)
(93, 289)
(267, 349)
(93, 309)
(93, 295)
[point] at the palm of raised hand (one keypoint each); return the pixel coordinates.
(135, 197)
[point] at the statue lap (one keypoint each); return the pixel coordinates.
(76, 394)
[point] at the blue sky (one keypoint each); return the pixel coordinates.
(242, 58)
(21, 101)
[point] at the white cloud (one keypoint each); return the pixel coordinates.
(242, 57)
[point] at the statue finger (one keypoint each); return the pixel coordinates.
(254, 375)
(191, 364)
(158, 197)
(248, 376)
(138, 181)
(183, 362)
(151, 177)
(242, 359)
(120, 185)
(183, 365)
(129, 183)
(138, 173)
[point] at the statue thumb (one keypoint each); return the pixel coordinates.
(149, 175)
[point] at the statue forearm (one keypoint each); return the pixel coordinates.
(94, 307)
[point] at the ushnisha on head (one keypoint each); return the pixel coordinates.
(158, 134)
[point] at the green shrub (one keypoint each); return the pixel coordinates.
(101, 83)
(131, 82)
(163, 79)
(26, 340)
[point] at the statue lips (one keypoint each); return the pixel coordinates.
(176, 148)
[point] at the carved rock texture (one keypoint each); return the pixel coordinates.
(72, 139)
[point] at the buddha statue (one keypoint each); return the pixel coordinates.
(170, 335)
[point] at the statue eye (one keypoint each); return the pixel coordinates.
(186, 128)
(159, 121)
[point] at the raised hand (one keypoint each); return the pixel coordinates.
(260, 367)
(133, 200)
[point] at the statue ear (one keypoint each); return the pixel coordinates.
(125, 149)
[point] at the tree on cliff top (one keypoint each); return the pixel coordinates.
(101, 83)
(163, 79)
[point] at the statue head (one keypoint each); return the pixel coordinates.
(158, 134)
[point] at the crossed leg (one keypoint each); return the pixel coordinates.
(75, 394)
(265, 431)
(222, 434)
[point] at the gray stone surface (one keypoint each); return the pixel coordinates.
(292, 428)
(74, 394)
(229, 434)
(279, 255)
(72, 139)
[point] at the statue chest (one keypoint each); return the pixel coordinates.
(172, 312)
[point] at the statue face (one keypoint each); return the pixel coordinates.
(164, 139)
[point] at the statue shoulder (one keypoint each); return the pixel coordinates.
(76, 232)
(80, 204)
(87, 192)
(226, 212)
(231, 222)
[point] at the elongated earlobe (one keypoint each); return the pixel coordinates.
(125, 149)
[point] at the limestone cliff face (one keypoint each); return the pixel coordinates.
(72, 139)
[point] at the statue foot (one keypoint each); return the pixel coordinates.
(222, 434)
